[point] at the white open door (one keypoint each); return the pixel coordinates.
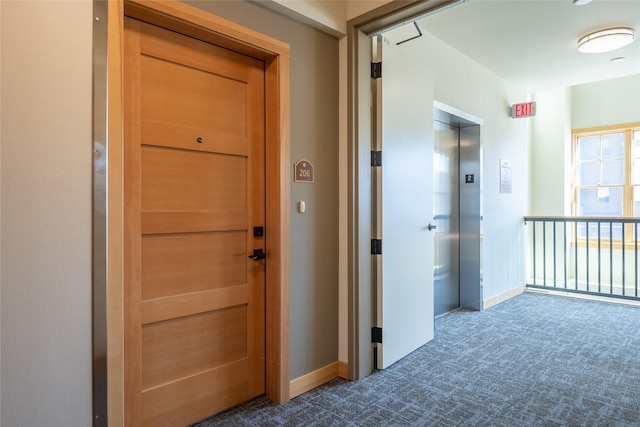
(405, 203)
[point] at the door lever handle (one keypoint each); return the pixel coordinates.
(431, 227)
(258, 254)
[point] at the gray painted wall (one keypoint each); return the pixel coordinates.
(46, 213)
(314, 136)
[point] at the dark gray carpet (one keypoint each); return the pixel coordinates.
(534, 360)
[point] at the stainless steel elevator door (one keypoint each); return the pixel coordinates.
(446, 208)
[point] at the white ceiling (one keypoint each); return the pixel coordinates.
(533, 43)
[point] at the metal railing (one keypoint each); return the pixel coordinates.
(590, 255)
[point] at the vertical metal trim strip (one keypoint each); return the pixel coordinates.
(99, 214)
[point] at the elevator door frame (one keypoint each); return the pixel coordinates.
(470, 202)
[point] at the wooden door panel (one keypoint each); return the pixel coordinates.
(193, 398)
(174, 93)
(155, 222)
(195, 303)
(181, 180)
(187, 137)
(178, 348)
(181, 104)
(174, 264)
(159, 309)
(160, 43)
(195, 90)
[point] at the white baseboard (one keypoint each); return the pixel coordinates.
(313, 379)
(490, 302)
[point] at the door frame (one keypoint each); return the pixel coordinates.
(360, 285)
(196, 23)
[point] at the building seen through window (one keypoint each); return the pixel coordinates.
(606, 178)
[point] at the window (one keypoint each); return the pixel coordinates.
(607, 175)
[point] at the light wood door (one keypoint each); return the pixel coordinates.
(194, 191)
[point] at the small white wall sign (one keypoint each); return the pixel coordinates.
(505, 176)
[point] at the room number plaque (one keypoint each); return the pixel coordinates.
(303, 171)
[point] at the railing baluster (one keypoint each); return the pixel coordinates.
(635, 232)
(624, 251)
(575, 279)
(544, 253)
(599, 260)
(611, 257)
(555, 281)
(534, 251)
(564, 248)
(587, 253)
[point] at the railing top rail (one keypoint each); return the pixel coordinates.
(619, 219)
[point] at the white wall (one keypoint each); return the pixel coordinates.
(463, 84)
(550, 153)
(607, 102)
(46, 213)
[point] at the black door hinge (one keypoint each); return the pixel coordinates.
(376, 158)
(376, 335)
(376, 70)
(376, 246)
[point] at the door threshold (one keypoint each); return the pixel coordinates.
(448, 312)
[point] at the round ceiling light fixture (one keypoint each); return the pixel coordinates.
(581, 2)
(606, 40)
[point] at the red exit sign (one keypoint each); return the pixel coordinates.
(525, 109)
